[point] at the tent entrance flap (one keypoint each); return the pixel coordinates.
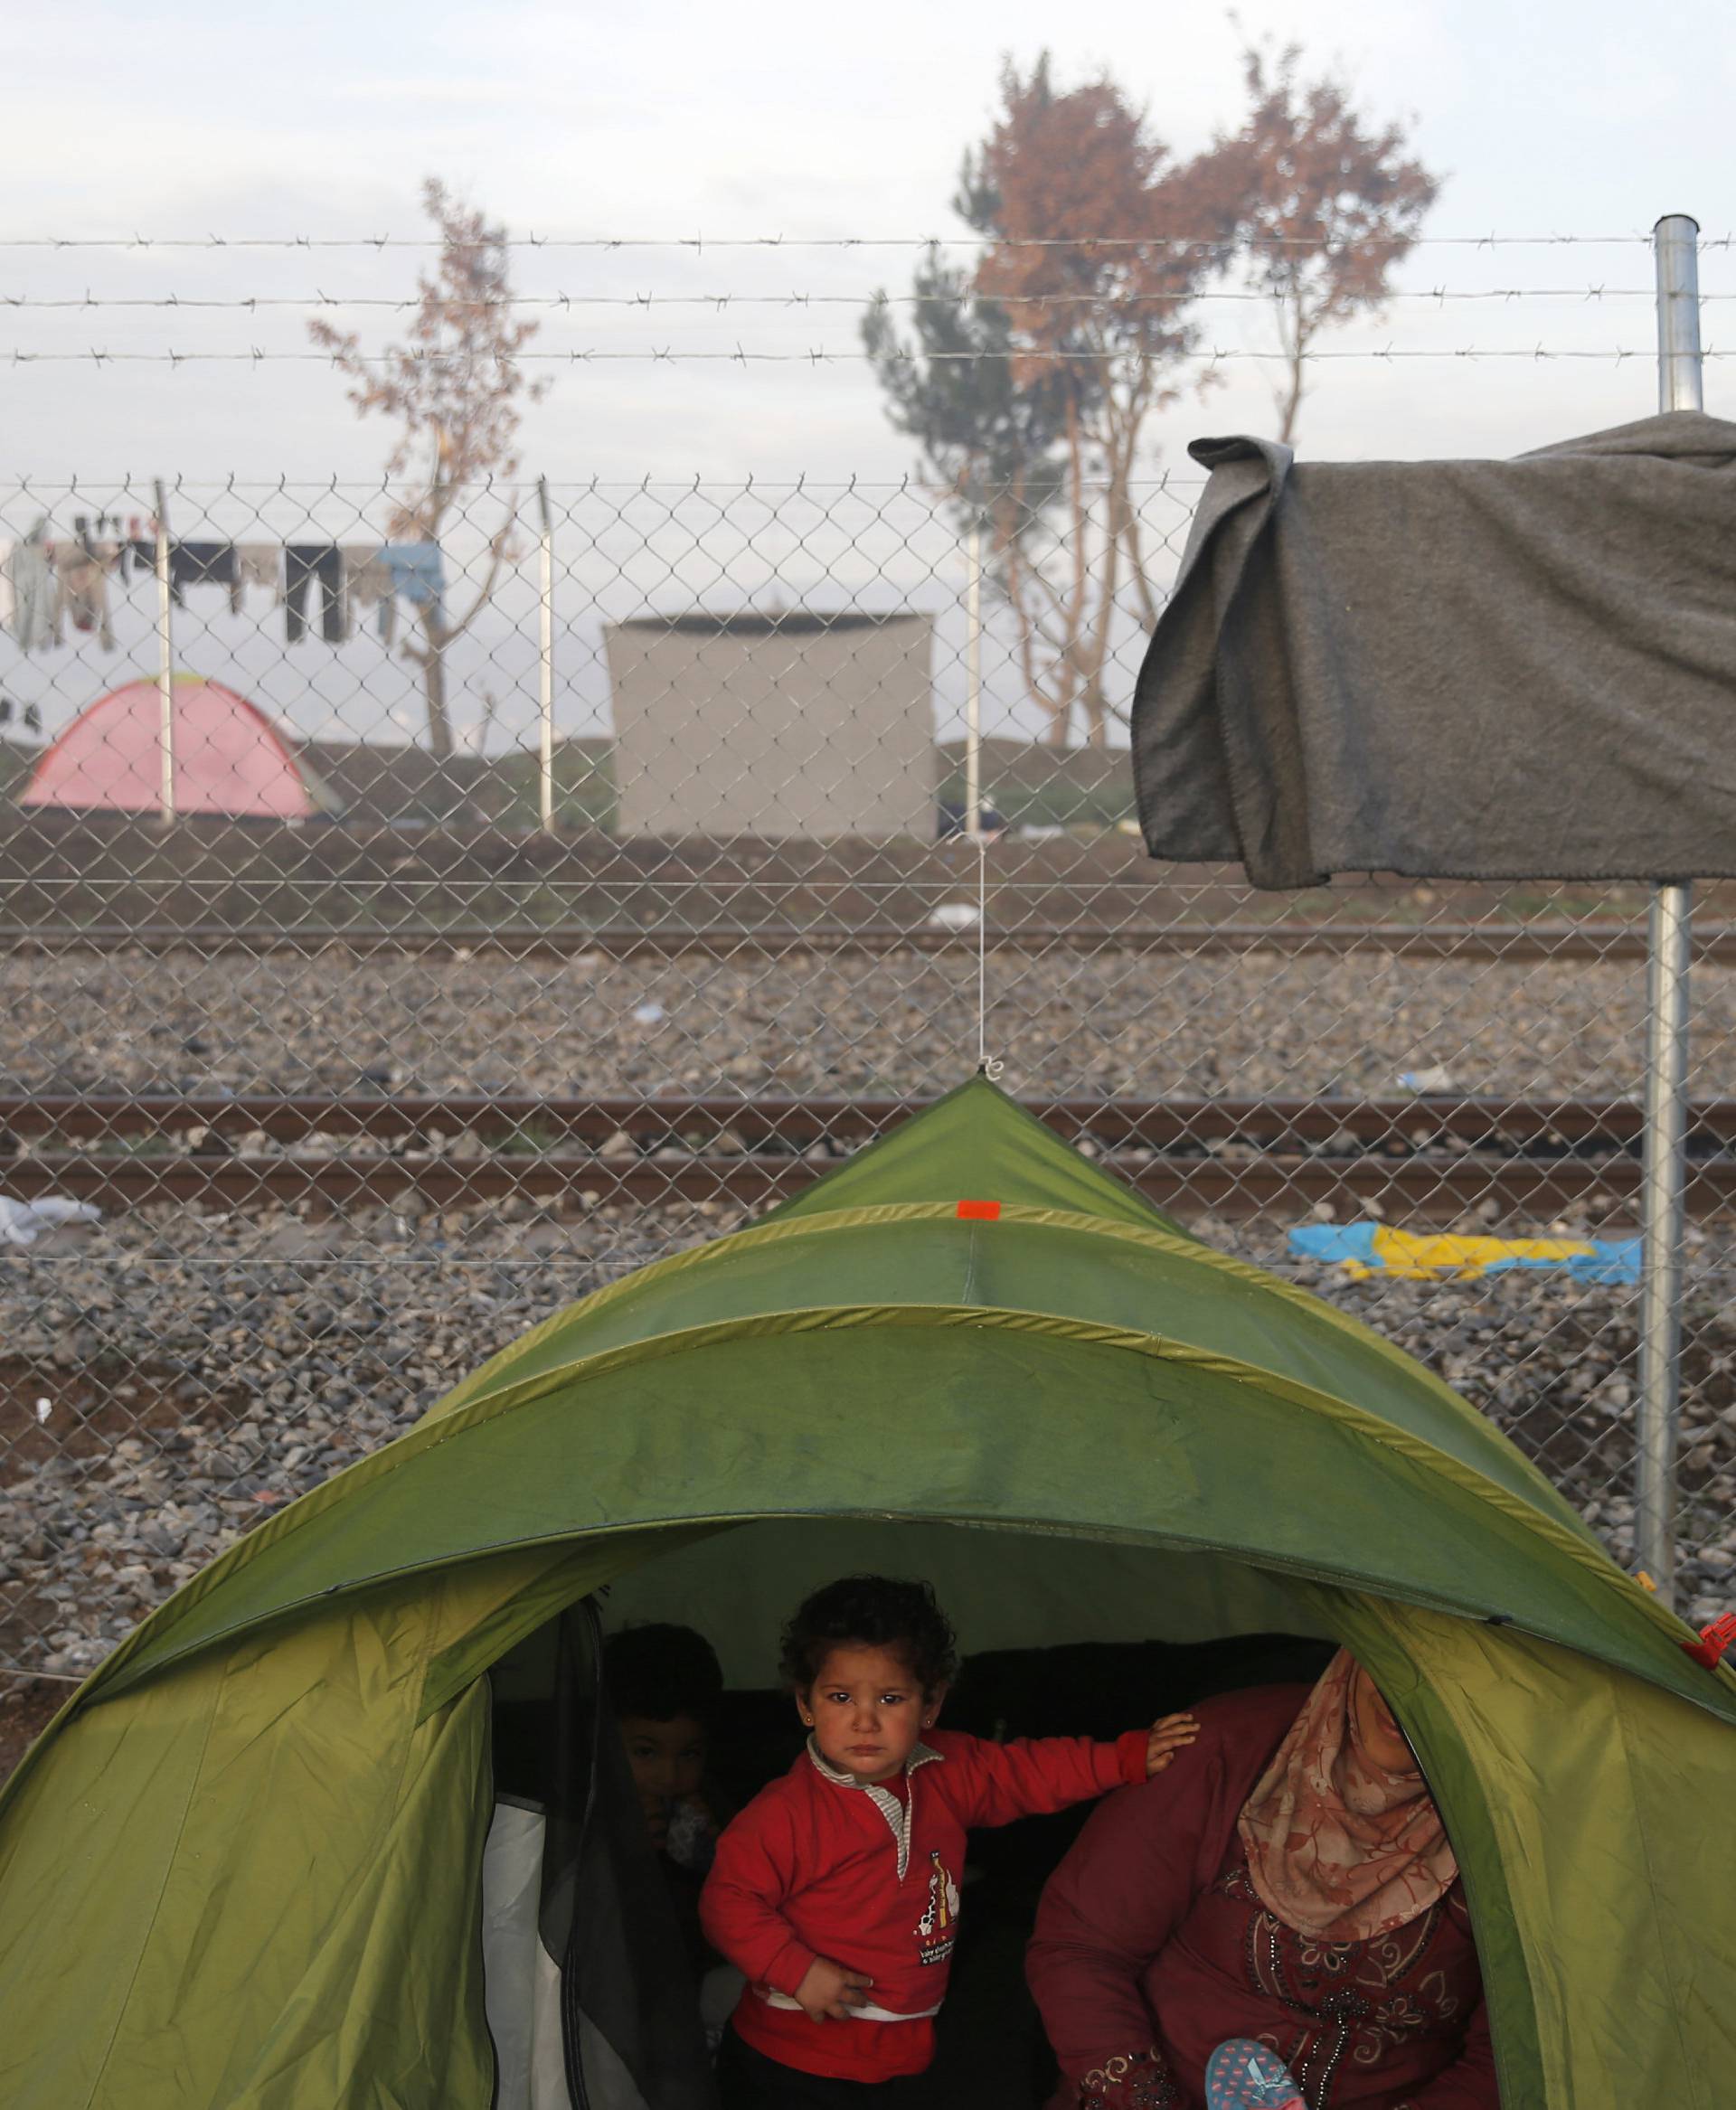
(589, 1999)
(1076, 1635)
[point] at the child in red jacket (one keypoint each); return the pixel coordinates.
(836, 1890)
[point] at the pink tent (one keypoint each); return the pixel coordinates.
(228, 758)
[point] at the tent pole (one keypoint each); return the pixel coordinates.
(1664, 1177)
(974, 683)
(164, 660)
(546, 691)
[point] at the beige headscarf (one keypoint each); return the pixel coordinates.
(1337, 1846)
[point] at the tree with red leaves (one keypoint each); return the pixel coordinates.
(1332, 207)
(1030, 379)
(454, 388)
(1078, 315)
(1083, 204)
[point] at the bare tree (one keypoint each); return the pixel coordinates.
(1332, 207)
(455, 389)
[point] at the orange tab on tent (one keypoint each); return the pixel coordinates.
(981, 1211)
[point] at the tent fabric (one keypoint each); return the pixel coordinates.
(228, 758)
(1622, 1932)
(1070, 1375)
(1378, 665)
(222, 1891)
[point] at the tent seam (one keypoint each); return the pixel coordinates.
(1128, 1339)
(1175, 1245)
(776, 1229)
(396, 1455)
(481, 1412)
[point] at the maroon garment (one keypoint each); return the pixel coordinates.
(1151, 1947)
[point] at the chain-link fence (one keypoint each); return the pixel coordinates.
(535, 900)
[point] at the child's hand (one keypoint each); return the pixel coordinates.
(828, 1989)
(1173, 1733)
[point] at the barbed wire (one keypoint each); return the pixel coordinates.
(801, 483)
(777, 241)
(820, 356)
(250, 303)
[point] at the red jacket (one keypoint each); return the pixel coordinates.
(1151, 1940)
(817, 1865)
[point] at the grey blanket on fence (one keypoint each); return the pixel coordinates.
(1453, 669)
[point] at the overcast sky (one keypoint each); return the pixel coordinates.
(1588, 118)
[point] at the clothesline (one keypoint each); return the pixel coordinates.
(50, 584)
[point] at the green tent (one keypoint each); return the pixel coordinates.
(242, 1869)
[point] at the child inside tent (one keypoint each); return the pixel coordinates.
(836, 1891)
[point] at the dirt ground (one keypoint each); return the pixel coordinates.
(26, 1708)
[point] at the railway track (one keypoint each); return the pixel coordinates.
(1428, 1155)
(1520, 943)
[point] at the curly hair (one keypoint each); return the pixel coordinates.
(871, 1611)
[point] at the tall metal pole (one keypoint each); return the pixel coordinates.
(974, 684)
(545, 693)
(1673, 242)
(165, 663)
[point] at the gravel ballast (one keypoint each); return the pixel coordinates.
(1064, 1024)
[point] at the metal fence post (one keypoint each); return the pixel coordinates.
(973, 683)
(545, 693)
(1666, 1022)
(164, 662)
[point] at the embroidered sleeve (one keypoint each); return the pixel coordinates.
(1131, 2080)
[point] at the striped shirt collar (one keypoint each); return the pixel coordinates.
(897, 1813)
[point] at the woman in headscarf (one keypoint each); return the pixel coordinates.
(1292, 1884)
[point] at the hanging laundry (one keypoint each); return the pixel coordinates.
(105, 536)
(206, 564)
(1362, 1249)
(316, 568)
(260, 564)
(419, 574)
(81, 589)
(35, 599)
(7, 604)
(368, 583)
(194, 564)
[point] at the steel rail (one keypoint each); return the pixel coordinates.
(1525, 943)
(1516, 1187)
(1399, 1124)
(1533, 1157)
